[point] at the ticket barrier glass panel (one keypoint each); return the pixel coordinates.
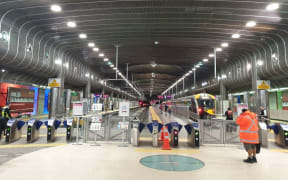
(174, 129)
(193, 134)
(14, 130)
(281, 134)
(154, 129)
(52, 126)
(69, 124)
(33, 130)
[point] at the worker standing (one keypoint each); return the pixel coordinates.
(4, 117)
(249, 133)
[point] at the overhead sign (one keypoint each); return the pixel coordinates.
(54, 82)
(124, 109)
(77, 108)
(263, 84)
(95, 127)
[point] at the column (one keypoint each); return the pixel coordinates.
(223, 96)
(256, 103)
(60, 94)
(53, 103)
(68, 101)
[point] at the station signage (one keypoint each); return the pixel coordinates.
(264, 85)
(164, 97)
(102, 95)
(124, 109)
(54, 82)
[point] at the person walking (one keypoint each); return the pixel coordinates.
(161, 108)
(249, 133)
(229, 114)
(4, 117)
(166, 107)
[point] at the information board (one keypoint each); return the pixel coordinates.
(97, 118)
(240, 107)
(124, 109)
(54, 82)
(261, 84)
(77, 108)
(95, 126)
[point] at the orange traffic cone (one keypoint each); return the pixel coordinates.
(162, 134)
(166, 145)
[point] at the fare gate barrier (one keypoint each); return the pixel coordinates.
(174, 128)
(193, 134)
(52, 126)
(33, 130)
(281, 135)
(69, 124)
(136, 129)
(154, 129)
(14, 130)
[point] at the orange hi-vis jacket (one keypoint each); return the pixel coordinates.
(248, 128)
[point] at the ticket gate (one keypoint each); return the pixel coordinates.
(263, 134)
(193, 134)
(281, 135)
(154, 129)
(136, 129)
(33, 130)
(174, 128)
(52, 126)
(69, 124)
(14, 130)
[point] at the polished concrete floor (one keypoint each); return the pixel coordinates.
(110, 162)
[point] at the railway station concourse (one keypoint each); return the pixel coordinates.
(142, 89)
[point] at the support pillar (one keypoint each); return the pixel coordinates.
(68, 101)
(60, 94)
(256, 103)
(223, 96)
(53, 103)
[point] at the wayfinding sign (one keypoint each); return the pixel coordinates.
(97, 107)
(261, 84)
(124, 109)
(78, 108)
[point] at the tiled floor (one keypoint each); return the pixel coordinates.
(109, 162)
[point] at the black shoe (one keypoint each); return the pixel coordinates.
(248, 160)
(254, 159)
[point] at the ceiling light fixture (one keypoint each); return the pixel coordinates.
(224, 44)
(272, 6)
(154, 65)
(82, 36)
(96, 49)
(236, 36)
(55, 8)
(101, 55)
(251, 24)
(156, 42)
(260, 62)
(205, 60)
(114, 68)
(58, 61)
(91, 44)
(106, 59)
(248, 66)
(111, 65)
(218, 49)
(71, 24)
(211, 55)
(3, 70)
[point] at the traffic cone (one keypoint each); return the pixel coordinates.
(166, 145)
(162, 134)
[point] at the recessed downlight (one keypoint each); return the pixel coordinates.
(101, 55)
(106, 59)
(236, 36)
(111, 65)
(218, 49)
(211, 55)
(272, 6)
(91, 44)
(251, 24)
(55, 8)
(156, 42)
(96, 49)
(205, 60)
(224, 44)
(82, 36)
(71, 24)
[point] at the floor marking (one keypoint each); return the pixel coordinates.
(30, 145)
(279, 150)
(271, 140)
(45, 135)
(150, 139)
(175, 151)
(3, 155)
(155, 115)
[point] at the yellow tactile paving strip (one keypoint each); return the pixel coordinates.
(172, 151)
(155, 115)
(31, 145)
